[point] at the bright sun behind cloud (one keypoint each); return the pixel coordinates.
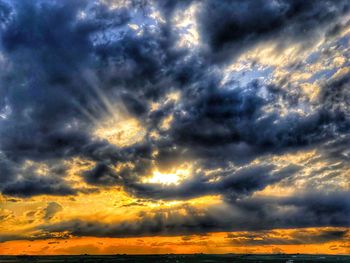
(172, 177)
(160, 178)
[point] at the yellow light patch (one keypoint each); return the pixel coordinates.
(172, 96)
(123, 132)
(185, 22)
(341, 73)
(310, 90)
(270, 54)
(175, 96)
(166, 123)
(160, 178)
(75, 168)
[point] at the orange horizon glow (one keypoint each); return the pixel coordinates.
(211, 243)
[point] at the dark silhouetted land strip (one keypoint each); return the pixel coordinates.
(179, 258)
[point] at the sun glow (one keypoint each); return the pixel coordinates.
(160, 178)
(173, 176)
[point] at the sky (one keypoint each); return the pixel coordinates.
(149, 126)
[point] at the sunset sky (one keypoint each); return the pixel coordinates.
(162, 126)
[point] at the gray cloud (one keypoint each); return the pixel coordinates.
(249, 214)
(51, 209)
(296, 238)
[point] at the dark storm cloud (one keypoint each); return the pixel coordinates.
(223, 125)
(229, 27)
(296, 238)
(37, 186)
(23, 180)
(66, 64)
(102, 174)
(335, 96)
(306, 210)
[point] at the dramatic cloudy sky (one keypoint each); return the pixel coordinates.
(141, 126)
